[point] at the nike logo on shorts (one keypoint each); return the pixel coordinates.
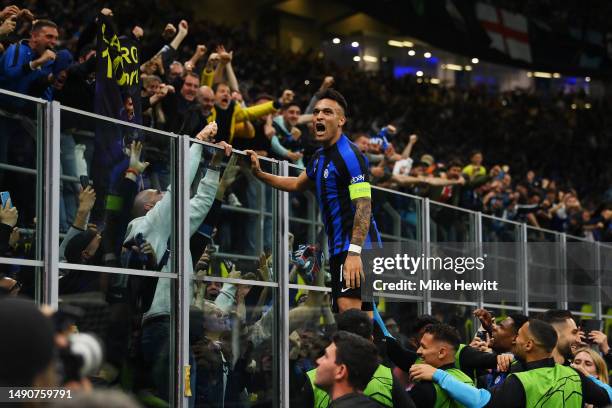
(343, 289)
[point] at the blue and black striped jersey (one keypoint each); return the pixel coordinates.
(341, 175)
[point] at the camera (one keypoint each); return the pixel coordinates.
(83, 355)
(139, 241)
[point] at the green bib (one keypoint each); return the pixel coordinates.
(551, 387)
(320, 397)
(442, 398)
(379, 388)
(457, 354)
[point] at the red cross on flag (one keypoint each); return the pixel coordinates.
(507, 31)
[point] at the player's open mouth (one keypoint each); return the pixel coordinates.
(320, 128)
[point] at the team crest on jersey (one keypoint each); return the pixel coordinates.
(325, 173)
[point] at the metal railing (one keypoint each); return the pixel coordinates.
(414, 220)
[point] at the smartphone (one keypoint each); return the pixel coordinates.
(589, 325)
(6, 196)
(482, 335)
(84, 181)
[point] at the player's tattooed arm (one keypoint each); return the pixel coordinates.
(361, 223)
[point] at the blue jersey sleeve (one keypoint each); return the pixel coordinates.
(465, 394)
(602, 385)
(358, 172)
(311, 167)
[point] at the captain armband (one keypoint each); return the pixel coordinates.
(360, 190)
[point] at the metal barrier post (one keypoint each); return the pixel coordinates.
(50, 238)
(479, 253)
(524, 268)
(282, 268)
(563, 301)
(181, 261)
(427, 252)
(598, 280)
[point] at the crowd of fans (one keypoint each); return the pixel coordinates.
(348, 361)
(515, 155)
(218, 85)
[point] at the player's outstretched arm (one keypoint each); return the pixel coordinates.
(290, 184)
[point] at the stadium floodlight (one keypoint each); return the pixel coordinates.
(356, 58)
(475, 60)
(354, 44)
(573, 106)
(468, 68)
(427, 55)
(336, 40)
(587, 79)
(539, 74)
(370, 58)
(306, 82)
(454, 67)
(411, 53)
(587, 106)
(556, 75)
(435, 81)
(419, 73)
(400, 44)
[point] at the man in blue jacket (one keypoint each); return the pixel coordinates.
(31, 60)
(24, 67)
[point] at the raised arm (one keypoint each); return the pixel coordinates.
(208, 73)
(290, 184)
(224, 59)
(231, 75)
(408, 149)
(197, 56)
(180, 36)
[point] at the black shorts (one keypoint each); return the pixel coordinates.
(338, 283)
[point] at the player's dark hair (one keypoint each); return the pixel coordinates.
(555, 316)
(359, 355)
(544, 334)
(355, 321)
(446, 333)
(331, 93)
(519, 320)
(423, 321)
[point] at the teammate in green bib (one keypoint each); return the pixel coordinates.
(382, 387)
(543, 384)
(439, 347)
(379, 388)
